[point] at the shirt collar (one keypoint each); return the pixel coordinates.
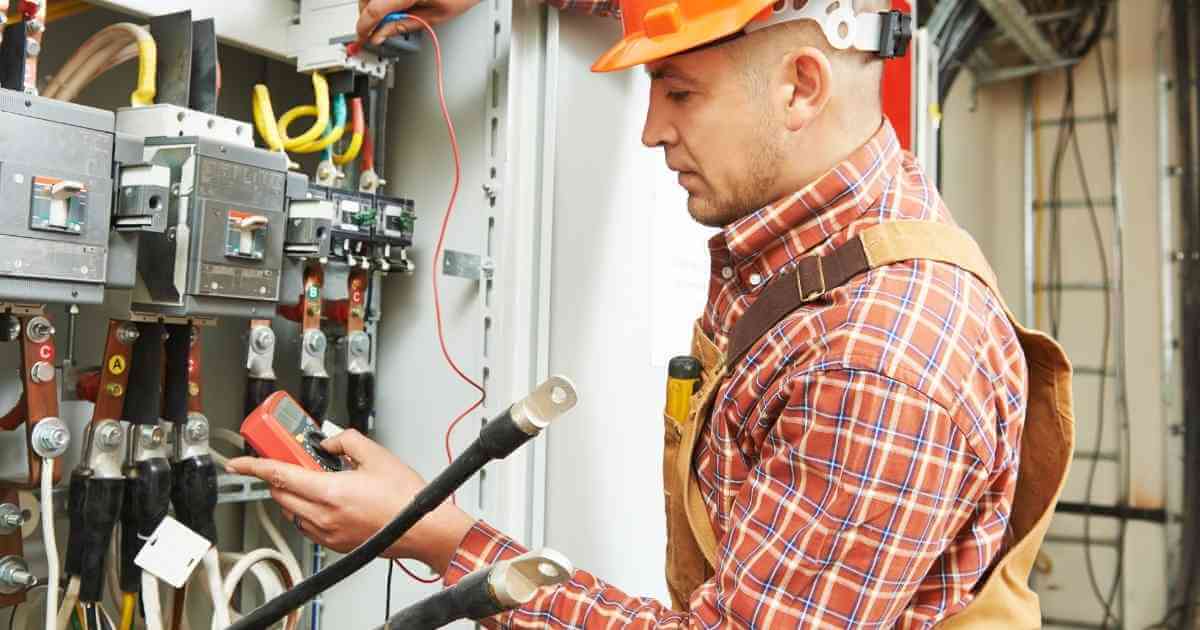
(760, 244)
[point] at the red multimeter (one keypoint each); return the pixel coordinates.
(279, 429)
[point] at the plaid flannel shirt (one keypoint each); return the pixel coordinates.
(860, 461)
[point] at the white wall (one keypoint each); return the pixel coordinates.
(983, 184)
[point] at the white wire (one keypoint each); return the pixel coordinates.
(230, 437)
(212, 569)
(238, 572)
(49, 541)
(267, 579)
(151, 604)
(233, 438)
(268, 525)
(68, 604)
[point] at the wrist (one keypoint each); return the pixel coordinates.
(452, 530)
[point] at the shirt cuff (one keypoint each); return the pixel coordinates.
(483, 546)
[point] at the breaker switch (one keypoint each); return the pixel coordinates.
(246, 236)
(58, 205)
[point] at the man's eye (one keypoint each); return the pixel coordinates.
(678, 96)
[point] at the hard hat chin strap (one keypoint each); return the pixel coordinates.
(886, 34)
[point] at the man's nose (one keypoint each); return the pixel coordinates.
(659, 131)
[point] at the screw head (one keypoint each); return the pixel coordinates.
(360, 344)
(11, 517)
(50, 438)
(314, 342)
(196, 430)
(263, 339)
(39, 329)
(42, 372)
(108, 436)
(127, 334)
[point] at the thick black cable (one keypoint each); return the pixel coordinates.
(497, 439)
(470, 598)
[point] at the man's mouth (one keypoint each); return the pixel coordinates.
(687, 179)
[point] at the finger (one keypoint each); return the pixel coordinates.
(393, 29)
(280, 475)
(354, 445)
(293, 505)
(306, 527)
(370, 16)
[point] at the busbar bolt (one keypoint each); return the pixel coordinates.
(39, 329)
(359, 344)
(263, 339)
(15, 576)
(127, 334)
(196, 429)
(314, 342)
(50, 438)
(12, 517)
(108, 436)
(42, 372)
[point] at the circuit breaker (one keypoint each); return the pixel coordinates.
(221, 251)
(56, 165)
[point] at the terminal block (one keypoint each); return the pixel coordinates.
(369, 230)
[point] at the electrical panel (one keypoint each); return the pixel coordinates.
(222, 248)
(56, 184)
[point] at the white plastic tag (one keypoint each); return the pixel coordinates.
(172, 552)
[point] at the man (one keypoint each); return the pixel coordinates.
(852, 457)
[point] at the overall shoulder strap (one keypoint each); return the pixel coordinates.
(877, 246)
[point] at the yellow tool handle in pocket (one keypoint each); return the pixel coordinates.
(683, 379)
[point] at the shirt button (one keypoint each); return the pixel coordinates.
(727, 273)
(755, 279)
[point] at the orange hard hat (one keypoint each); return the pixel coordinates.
(657, 29)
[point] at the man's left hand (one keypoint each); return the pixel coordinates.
(341, 510)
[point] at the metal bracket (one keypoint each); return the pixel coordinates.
(241, 489)
(469, 266)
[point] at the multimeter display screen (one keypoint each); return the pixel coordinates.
(290, 415)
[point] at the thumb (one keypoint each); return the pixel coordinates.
(354, 445)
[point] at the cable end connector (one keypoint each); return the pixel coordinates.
(514, 582)
(545, 404)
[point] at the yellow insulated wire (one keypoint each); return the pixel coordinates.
(147, 87)
(264, 118)
(128, 605)
(320, 109)
(351, 154)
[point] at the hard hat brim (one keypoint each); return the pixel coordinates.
(636, 49)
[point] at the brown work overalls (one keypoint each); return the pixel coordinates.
(1004, 600)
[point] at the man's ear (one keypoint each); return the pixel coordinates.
(806, 87)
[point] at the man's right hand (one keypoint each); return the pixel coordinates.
(432, 11)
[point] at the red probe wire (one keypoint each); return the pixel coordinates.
(437, 253)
